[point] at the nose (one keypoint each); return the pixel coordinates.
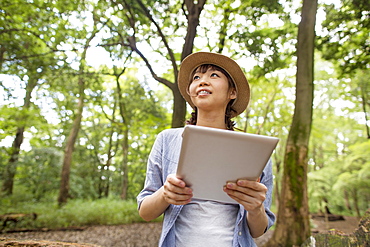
(203, 82)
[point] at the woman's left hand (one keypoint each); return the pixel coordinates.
(250, 194)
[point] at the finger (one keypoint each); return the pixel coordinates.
(176, 181)
(177, 202)
(239, 200)
(254, 185)
(233, 187)
(245, 194)
(176, 185)
(247, 204)
(242, 196)
(177, 190)
(175, 198)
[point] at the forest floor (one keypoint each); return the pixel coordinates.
(146, 234)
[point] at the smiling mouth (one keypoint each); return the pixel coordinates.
(204, 92)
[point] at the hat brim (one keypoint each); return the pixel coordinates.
(193, 61)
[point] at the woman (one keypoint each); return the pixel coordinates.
(216, 87)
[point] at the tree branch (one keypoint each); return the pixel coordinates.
(30, 56)
(194, 11)
(169, 50)
(155, 76)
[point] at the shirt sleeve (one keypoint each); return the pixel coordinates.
(268, 180)
(153, 180)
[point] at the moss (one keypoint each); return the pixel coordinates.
(295, 170)
(360, 238)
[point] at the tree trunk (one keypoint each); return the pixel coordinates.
(346, 200)
(194, 10)
(2, 52)
(224, 27)
(125, 143)
(125, 165)
(179, 105)
(71, 140)
(111, 151)
(179, 108)
(11, 167)
(355, 203)
(364, 100)
(277, 190)
(109, 161)
(293, 226)
(68, 152)
(193, 14)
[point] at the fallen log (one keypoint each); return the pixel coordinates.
(71, 228)
(16, 217)
(41, 243)
(330, 217)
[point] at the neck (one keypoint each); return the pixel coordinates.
(211, 119)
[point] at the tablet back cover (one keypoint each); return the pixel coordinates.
(210, 157)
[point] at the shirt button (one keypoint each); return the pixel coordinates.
(240, 233)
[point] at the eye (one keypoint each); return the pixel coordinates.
(196, 77)
(215, 74)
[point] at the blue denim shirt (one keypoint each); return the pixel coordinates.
(163, 161)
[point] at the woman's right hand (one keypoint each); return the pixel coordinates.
(175, 191)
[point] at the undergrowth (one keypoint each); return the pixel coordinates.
(75, 213)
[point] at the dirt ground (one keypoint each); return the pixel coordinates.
(147, 234)
(348, 226)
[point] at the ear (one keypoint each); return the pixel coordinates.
(233, 93)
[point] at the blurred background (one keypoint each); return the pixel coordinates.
(87, 85)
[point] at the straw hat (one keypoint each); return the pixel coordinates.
(193, 61)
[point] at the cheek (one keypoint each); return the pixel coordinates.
(191, 88)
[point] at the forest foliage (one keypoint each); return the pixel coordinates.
(120, 50)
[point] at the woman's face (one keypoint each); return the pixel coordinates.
(210, 89)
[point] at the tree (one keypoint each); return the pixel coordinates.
(11, 167)
(164, 32)
(354, 180)
(346, 43)
(293, 226)
(26, 50)
(141, 17)
(123, 112)
(136, 109)
(67, 160)
(332, 148)
(346, 28)
(69, 146)
(360, 90)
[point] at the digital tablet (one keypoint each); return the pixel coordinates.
(209, 158)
